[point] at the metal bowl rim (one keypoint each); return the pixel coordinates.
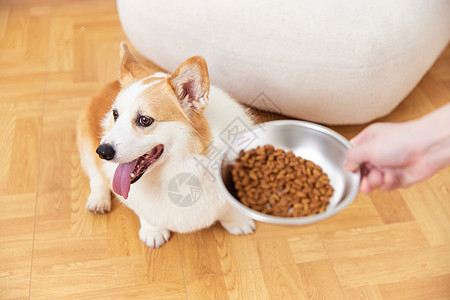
(299, 220)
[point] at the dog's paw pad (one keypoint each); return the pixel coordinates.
(99, 203)
(243, 227)
(154, 239)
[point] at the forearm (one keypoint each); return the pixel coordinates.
(437, 123)
(435, 131)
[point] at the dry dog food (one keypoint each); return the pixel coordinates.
(279, 183)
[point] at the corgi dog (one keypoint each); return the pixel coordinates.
(146, 138)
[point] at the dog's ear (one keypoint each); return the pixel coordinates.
(130, 69)
(191, 84)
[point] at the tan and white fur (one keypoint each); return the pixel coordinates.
(186, 115)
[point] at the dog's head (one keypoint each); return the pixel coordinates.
(154, 117)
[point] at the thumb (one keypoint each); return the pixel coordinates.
(364, 136)
(358, 153)
(355, 157)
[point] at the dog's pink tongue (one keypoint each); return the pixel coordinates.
(122, 179)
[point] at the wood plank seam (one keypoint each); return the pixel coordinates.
(40, 150)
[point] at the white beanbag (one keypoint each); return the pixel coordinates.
(329, 61)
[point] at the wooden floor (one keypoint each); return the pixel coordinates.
(54, 55)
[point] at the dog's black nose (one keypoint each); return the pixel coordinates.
(106, 151)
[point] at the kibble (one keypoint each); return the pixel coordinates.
(279, 183)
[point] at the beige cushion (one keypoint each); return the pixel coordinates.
(334, 62)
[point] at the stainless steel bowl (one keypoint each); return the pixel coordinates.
(317, 143)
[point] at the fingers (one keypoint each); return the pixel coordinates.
(376, 178)
(363, 156)
(365, 186)
(373, 179)
(384, 180)
(391, 180)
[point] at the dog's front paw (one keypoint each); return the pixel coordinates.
(154, 238)
(239, 226)
(99, 202)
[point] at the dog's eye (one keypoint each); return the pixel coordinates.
(145, 121)
(115, 114)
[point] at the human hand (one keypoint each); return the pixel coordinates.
(398, 155)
